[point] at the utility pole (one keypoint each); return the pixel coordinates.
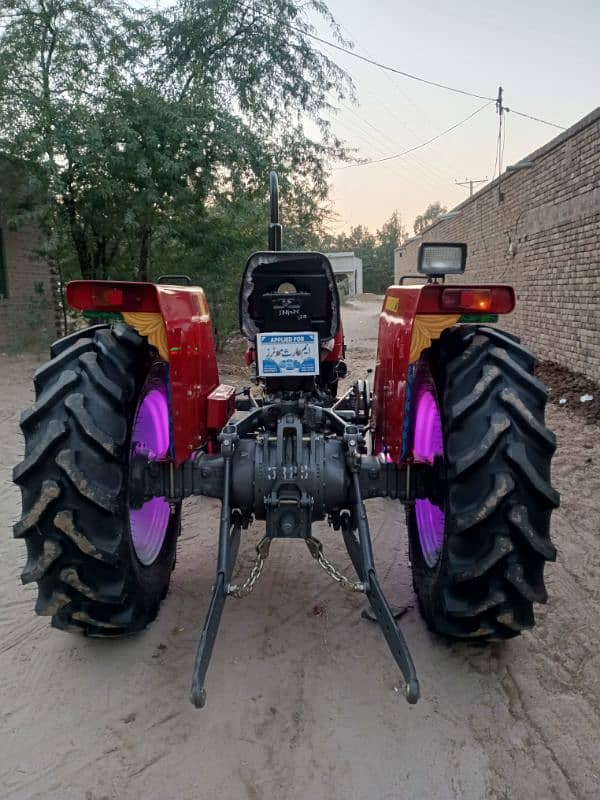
(500, 109)
(470, 183)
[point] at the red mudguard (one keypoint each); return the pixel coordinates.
(337, 351)
(411, 317)
(184, 338)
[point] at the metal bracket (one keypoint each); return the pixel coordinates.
(229, 540)
(361, 555)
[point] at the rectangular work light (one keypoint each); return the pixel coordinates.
(441, 259)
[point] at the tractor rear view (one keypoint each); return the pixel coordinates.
(130, 419)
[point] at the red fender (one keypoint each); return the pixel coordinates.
(411, 317)
(176, 320)
(337, 352)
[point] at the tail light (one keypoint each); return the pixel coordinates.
(492, 300)
(107, 296)
(112, 296)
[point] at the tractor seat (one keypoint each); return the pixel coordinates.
(284, 291)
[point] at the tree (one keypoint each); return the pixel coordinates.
(389, 236)
(431, 214)
(151, 132)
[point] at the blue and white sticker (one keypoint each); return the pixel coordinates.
(287, 354)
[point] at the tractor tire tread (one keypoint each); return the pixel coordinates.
(73, 480)
(60, 345)
(498, 505)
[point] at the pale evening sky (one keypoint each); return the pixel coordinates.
(546, 55)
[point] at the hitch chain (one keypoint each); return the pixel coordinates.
(262, 551)
(316, 550)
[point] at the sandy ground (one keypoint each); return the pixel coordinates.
(302, 692)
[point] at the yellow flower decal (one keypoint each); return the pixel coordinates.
(152, 326)
(427, 327)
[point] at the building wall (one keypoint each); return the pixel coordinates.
(27, 308)
(350, 265)
(538, 229)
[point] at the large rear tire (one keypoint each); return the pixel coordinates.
(92, 575)
(478, 553)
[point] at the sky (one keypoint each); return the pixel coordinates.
(545, 55)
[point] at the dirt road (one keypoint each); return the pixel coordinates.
(302, 693)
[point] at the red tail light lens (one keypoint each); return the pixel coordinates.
(471, 299)
(496, 300)
(107, 296)
(112, 296)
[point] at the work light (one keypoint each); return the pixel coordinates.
(442, 259)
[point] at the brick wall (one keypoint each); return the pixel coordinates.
(538, 229)
(27, 310)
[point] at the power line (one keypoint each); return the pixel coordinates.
(420, 79)
(431, 167)
(536, 119)
(419, 146)
(366, 59)
(434, 174)
(391, 69)
(395, 70)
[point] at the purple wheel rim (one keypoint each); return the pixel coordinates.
(428, 442)
(149, 523)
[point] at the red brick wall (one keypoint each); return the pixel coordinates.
(539, 229)
(27, 317)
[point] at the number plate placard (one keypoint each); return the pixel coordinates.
(287, 354)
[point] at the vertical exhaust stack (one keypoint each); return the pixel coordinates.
(275, 229)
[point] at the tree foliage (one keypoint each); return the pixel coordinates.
(148, 134)
(429, 216)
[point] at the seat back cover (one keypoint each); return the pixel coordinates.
(287, 291)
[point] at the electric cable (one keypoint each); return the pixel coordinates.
(422, 144)
(389, 68)
(420, 79)
(442, 172)
(428, 171)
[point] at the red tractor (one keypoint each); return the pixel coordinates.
(130, 418)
